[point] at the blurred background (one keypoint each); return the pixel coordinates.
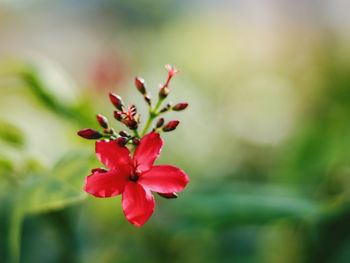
(265, 141)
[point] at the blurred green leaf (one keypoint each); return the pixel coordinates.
(44, 87)
(225, 209)
(11, 134)
(37, 195)
(32, 78)
(10, 225)
(44, 194)
(73, 167)
(39, 192)
(6, 175)
(6, 166)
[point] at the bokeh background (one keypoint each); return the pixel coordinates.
(265, 141)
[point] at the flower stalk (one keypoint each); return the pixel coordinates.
(153, 113)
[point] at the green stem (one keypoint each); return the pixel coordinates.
(148, 124)
(159, 102)
(136, 133)
(152, 115)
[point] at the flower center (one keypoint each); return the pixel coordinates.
(133, 177)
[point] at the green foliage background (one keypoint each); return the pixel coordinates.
(265, 141)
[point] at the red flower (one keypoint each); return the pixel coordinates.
(135, 177)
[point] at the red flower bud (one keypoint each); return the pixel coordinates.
(168, 195)
(147, 99)
(164, 92)
(116, 101)
(170, 126)
(118, 115)
(180, 106)
(121, 141)
(140, 85)
(102, 120)
(160, 122)
(124, 134)
(136, 141)
(89, 134)
(131, 123)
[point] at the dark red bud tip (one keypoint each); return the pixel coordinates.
(180, 106)
(160, 122)
(148, 99)
(118, 115)
(136, 141)
(170, 126)
(140, 85)
(121, 141)
(168, 195)
(164, 92)
(124, 134)
(131, 124)
(116, 101)
(102, 120)
(89, 134)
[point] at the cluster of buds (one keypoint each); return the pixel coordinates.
(128, 116)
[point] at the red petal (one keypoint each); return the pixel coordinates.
(106, 183)
(164, 179)
(112, 155)
(138, 204)
(147, 151)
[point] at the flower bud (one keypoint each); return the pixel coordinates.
(168, 195)
(121, 141)
(136, 141)
(164, 92)
(116, 101)
(140, 85)
(124, 134)
(131, 124)
(180, 106)
(170, 126)
(102, 120)
(89, 134)
(118, 115)
(147, 99)
(160, 123)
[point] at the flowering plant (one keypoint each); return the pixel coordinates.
(135, 177)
